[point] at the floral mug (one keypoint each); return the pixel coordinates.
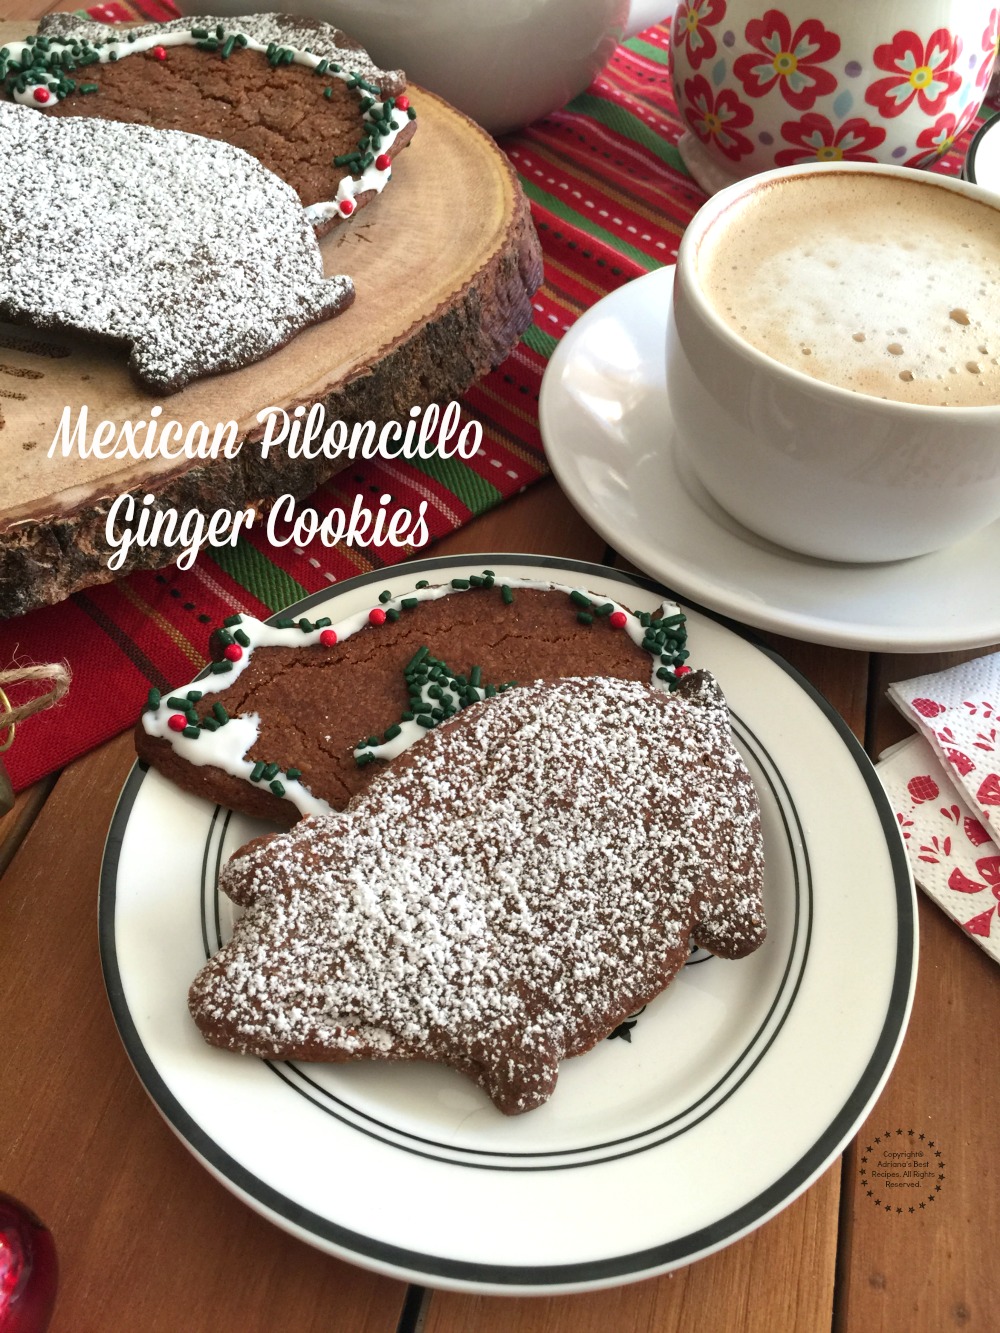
(893, 81)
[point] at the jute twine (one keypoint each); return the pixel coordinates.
(54, 674)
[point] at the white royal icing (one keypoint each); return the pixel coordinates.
(348, 187)
(228, 752)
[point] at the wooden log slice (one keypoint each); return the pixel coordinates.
(445, 263)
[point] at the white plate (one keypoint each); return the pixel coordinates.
(982, 162)
(606, 422)
(740, 1084)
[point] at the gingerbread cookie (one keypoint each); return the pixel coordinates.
(295, 718)
(502, 897)
(298, 95)
(183, 249)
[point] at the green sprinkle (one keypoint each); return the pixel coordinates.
(322, 67)
(176, 701)
(277, 788)
(199, 32)
(231, 621)
(328, 93)
(460, 583)
(371, 741)
(392, 614)
(225, 638)
(584, 617)
(257, 772)
(664, 673)
(408, 716)
(392, 732)
(153, 699)
(325, 623)
(284, 623)
(271, 771)
(490, 691)
(293, 774)
(220, 713)
(507, 593)
(408, 603)
(424, 721)
(476, 580)
(209, 724)
(604, 609)
(242, 638)
(385, 596)
(220, 32)
(423, 584)
(475, 676)
(362, 759)
(191, 716)
(191, 732)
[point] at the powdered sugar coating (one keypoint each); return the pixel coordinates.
(504, 895)
(204, 260)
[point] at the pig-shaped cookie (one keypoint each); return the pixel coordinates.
(185, 250)
(504, 895)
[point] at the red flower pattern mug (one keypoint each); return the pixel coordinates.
(814, 81)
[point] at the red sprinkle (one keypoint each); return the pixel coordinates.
(618, 619)
(328, 638)
(402, 103)
(376, 616)
(346, 207)
(159, 53)
(177, 721)
(682, 670)
(233, 652)
(383, 161)
(41, 95)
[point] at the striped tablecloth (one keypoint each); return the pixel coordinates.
(610, 199)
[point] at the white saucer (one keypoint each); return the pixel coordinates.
(607, 428)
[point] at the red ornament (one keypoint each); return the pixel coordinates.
(328, 638)
(232, 652)
(402, 104)
(376, 616)
(383, 161)
(42, 95)
(682, 671)
(346, 207)
(159, 53)
(177, 721)
(29, 1269)
(618, 620)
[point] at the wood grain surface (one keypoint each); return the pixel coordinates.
(149, 1240)
(443, 294)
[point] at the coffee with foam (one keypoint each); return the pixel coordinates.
(879, 284)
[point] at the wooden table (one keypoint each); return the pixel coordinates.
(149, 1241)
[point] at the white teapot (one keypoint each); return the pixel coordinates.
(503, 62)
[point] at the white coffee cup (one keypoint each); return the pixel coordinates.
(806, 396)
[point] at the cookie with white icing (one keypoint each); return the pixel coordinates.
(299, 95)
(295, 718)
(504, 895)
(182, 249)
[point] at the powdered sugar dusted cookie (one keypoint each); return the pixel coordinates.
(504, 895)
(183, 249)
(298, 95)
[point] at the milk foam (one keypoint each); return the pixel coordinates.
(882, 285)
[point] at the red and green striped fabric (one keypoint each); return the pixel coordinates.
(610, 199)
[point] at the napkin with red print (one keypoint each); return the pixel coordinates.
(945, 788)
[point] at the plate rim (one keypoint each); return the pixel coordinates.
(754, 607)
(545, 1279)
